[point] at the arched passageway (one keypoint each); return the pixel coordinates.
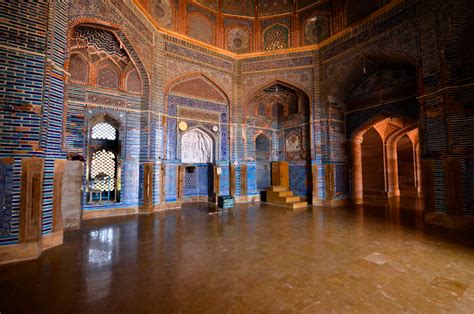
(406, 166)
(386, 160)
(373, 164)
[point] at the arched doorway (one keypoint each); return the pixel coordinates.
(373, 164)
(386, 160)
(406, 166)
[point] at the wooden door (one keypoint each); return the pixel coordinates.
(280, 174)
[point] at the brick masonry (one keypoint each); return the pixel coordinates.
(45, 114)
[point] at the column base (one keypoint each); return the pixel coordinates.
(454, 222)
(394, 193)
(31, 250)
(330, 203)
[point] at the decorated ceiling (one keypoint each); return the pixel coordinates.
(246, 26)
(252, 8)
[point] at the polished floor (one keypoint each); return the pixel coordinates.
(376, 258)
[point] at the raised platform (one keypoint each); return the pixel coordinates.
(281, 195)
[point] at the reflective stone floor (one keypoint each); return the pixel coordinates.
(376, 258)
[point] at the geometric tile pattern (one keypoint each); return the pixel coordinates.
(276, 37)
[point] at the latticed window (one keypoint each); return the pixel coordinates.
(104, 131)
(190, 179)
(103, 169)
(276, 37)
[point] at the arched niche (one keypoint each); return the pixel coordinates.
(200, 27)
(79, 69)
(108, 76)
(133, 82)
(263, 152)
(200, 103)
(196, 147)
(262, 148)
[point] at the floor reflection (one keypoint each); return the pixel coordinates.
(376, 257)
(101, 245)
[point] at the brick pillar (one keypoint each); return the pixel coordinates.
(393, 188)
(357, 183)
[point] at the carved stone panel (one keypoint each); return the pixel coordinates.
(293, 147)
(196, 147)
(59, 168)
(148, 186)
(72, 194)
(31, 199)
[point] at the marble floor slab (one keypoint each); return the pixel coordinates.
(375, 258)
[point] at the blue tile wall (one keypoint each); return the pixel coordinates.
(300, 178)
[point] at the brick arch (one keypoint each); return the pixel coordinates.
(347, 77)
(360, 131)
(121, 35)
(262, 132)
(106, 118)
(263, 87)
(390, 173)
(194, 76)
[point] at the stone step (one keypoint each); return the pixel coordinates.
(278, 188)
(298, 205)
(285, 193)
(292, 199)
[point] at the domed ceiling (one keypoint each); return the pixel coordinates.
(246, 26)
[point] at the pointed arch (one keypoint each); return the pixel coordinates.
(121, 35)
(197, 146)
(178, 86)
(362, 65)
(360, 130)
(106, 118)
(263, 87)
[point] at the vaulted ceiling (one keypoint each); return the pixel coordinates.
(245, 26)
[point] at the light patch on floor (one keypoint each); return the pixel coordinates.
(376, 258)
